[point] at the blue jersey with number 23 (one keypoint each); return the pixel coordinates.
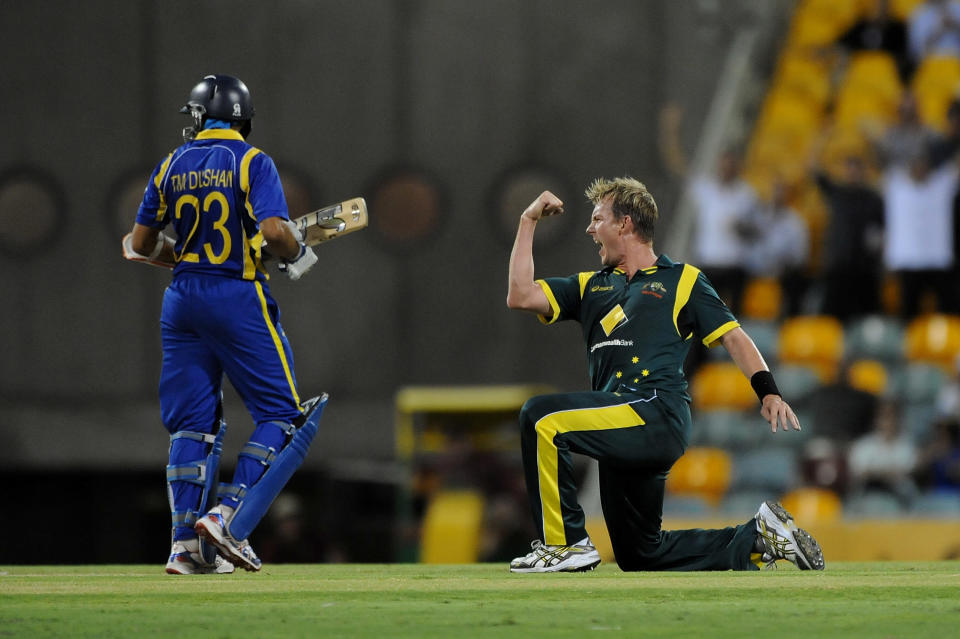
(215, 190)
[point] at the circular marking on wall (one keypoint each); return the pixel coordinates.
(513, 192)
(32, 212)
(406, 207)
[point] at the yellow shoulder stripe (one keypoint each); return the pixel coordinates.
(684, 288)
(250, 263)
(245, 169)
(162, 209)
(584, 278)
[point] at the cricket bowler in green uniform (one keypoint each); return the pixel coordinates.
(639, 315)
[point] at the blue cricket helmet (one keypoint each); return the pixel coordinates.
(222, 97)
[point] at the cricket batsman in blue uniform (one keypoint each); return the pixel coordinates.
(639, 315)
(224, 200)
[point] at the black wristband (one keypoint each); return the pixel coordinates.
(763, 384)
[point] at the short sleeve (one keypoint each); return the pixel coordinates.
(152, 211)
(706, 314)
(563, 294)
(266, 191)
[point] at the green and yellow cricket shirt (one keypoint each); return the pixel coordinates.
(638, 331)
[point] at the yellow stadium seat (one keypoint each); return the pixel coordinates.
(868, 375)
(820, 22)
(762, 299)
(812, 340)
(452, 527)
(932, 108)
(935, 83)
(874, 72)
(702, 472)
(853, 108)
(870, 88)
(801, 75)
(901, 9)
(721, 385)
(816, 505)
(937, 73)
(934, 339)
(786, 112)
(782, 139)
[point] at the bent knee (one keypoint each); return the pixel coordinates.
(536, 408)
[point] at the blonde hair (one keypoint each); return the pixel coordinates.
(630, 198)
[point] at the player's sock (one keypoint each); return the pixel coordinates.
(758, 545)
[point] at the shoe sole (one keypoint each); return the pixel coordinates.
(211, 537)
(173, 570)
(583, 568)
(808, 549)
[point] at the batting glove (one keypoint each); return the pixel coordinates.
(297, 268)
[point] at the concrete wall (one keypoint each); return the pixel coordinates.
(90, 93)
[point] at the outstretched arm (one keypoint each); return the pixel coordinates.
(523, 293)
(744, 352)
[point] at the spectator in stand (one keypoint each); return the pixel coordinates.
(939, 467)
(919, 237)
(724, 202)
(903, 141)
(944, 149)
(947, 401)
(885, 459)
(853, 240)
(880, 31)
(839, 411)
(934, 29)
(780, 246)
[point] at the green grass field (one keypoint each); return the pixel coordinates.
(917, 599)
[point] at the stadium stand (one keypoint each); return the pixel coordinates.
(718, 385)
(814, 341)
(934, 339)
(816, 505)
(702, 472)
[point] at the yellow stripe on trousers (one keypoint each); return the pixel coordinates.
(548, 427)
(277, 342)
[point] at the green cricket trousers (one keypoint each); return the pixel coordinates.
(636, 437)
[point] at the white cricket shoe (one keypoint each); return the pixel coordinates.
(213, 528)
(782, 539)
(543, 558)
(185, 559)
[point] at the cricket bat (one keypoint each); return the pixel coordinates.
(317, 227)
(333, 221)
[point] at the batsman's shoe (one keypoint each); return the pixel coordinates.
(213, 528)
(543, 558)
(782, 539)
(185, 559)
